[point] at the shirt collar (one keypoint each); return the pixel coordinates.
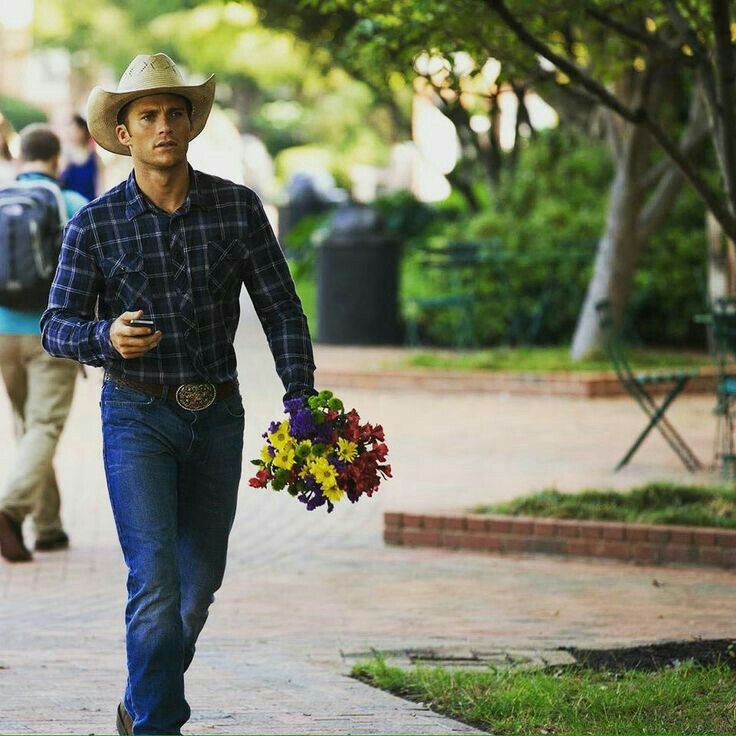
(136, 202)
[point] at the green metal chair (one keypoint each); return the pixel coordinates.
(636, 384)
(458, 259)
(724, 343)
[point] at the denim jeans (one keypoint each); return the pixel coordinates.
(173, 478)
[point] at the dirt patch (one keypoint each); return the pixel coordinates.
(657, 656)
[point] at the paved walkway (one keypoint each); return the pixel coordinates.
(305, 592)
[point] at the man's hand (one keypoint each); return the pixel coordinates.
(132, 342)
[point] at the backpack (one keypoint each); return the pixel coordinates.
(32, 220)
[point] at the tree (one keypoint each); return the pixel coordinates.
(647, 66)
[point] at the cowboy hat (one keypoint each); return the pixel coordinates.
(147, 74)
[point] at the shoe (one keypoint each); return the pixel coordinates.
(60, 540)
(11, 540)
(124, 721)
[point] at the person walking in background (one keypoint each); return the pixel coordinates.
(175, 246)
(81, 172)
(40, 388)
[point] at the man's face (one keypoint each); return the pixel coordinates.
(157, 130)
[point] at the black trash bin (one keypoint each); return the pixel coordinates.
(357, 265)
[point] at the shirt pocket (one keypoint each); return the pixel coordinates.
(126, 283)
(225, 261)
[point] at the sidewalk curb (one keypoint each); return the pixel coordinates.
(650, 544)
(582, 385)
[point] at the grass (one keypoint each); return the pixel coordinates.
(654, 503)
(690, 699)
(548, 359)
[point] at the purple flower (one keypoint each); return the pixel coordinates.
(273, 427)
(335, 460)
(322, 432)
(302, 424)
(292, 406)
(272, 451)
(316, 502)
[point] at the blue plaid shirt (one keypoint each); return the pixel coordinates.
(185, 271)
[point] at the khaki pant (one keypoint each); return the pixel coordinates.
(40, 389)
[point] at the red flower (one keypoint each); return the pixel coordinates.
(380, 452)
(261, 479)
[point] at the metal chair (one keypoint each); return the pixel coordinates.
(724, 344)
(636, 384)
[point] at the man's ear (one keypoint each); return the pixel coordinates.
(123, 136)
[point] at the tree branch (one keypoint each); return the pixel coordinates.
(637, 117)
(645, 39)
(671, 177)
(725, 63)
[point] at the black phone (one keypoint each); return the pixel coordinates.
(143, 323)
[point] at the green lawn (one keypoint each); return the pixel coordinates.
(690, 699)
(548, 359)
(655, 503)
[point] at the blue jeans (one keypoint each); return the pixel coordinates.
(173, 479)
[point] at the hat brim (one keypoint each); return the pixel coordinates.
(103, 108)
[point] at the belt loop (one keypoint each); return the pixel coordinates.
(165, 393)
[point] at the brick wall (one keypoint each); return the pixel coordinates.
(643, 543)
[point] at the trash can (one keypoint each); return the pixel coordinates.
(357, 266)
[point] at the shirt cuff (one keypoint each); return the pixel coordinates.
(102, 342)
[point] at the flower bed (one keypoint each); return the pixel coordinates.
(640, 543)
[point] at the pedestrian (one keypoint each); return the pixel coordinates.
(174, 246)
(40, 388)
(82, 170)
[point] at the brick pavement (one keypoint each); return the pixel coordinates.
(305, 592)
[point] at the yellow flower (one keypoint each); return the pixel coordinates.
(334, 494)
(324, 473)
(346, 450)
(281, 436)
(284, 459)
(265, 454)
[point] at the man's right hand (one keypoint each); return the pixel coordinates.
(132, 342)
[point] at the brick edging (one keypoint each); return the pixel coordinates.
(588, 385)
(642, 543)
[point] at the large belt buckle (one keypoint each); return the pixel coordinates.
(195, 396)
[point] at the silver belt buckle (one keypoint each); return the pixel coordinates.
(195, 396)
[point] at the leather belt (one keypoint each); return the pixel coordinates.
(191, 396)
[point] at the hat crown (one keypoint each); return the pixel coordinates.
(148, 71)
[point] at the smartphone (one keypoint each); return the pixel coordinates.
(143, 323)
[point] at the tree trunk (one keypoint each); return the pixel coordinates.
(615, 262)
(721, 262)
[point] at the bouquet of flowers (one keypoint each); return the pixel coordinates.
(321, 454)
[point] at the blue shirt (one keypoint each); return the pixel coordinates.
(185, 271)
(16, 322)
(82, 177)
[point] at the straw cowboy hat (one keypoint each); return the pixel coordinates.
(147, 74)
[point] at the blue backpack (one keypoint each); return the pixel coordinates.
(32, 220)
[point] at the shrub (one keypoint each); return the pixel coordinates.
(21, 113)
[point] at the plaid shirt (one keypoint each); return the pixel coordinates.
(185, 271)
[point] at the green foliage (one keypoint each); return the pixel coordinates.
(544, 222)
(655, 503)
(670, 287)
(669, 701)
(544, 359)
(20, 113)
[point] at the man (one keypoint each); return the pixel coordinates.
(173, 245)
(40, 387)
